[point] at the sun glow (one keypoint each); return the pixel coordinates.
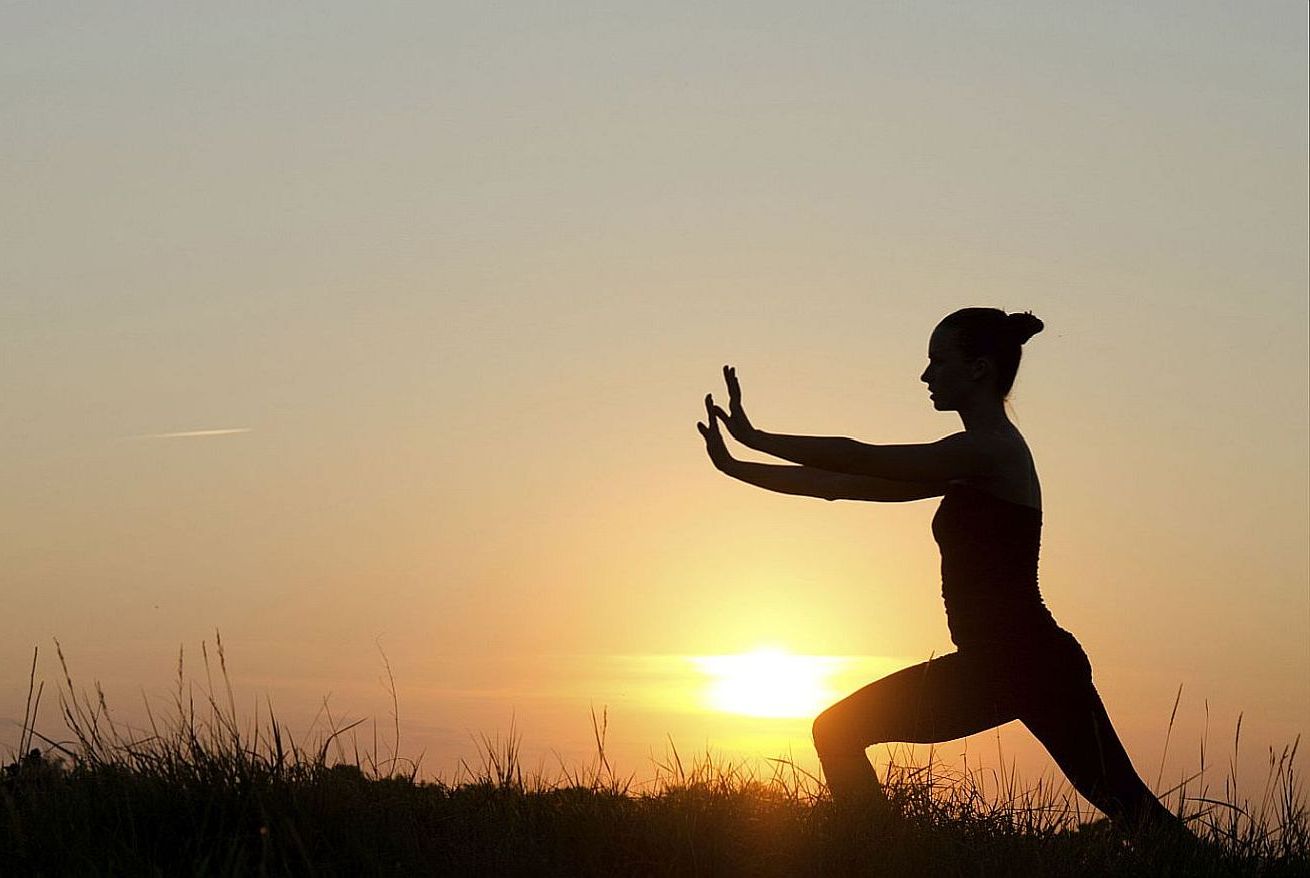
(769, 682)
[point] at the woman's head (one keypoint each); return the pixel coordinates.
(965, 338)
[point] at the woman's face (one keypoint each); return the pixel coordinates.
(948, 376)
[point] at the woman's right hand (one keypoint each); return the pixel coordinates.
(735, 417)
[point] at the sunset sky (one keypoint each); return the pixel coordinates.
(351, 329)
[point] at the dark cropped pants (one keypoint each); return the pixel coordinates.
(1047, 687)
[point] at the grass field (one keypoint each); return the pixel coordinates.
(198, 794)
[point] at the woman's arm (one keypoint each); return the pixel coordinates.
(807, 481)
(956, 456)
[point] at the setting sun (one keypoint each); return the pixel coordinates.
(769, 682)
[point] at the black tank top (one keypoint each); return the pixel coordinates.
(989, 571)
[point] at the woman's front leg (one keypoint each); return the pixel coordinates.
(934, 701)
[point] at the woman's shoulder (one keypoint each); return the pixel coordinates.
(1011, 475)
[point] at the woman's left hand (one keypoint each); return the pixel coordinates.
(714, 444)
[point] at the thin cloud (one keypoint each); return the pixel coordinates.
(193, 434)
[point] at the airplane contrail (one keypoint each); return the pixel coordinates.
(189, 434)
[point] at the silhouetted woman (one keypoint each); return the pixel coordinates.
(1012, 660)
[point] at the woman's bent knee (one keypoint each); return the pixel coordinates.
(824, 733)
(833, 733)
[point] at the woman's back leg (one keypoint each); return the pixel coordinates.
(1075, 728)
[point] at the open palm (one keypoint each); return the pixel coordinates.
(735, 417)
(714, 444)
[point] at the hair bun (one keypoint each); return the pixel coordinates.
(1024, 325)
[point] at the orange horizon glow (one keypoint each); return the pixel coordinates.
(769, 682)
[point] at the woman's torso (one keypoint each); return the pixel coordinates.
(989, 532)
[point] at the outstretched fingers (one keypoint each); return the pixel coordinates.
(734, 388)
(711, 412)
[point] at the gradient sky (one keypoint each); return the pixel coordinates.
(439, 289)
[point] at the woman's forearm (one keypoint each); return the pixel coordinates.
(799, 480)
(833, 453)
